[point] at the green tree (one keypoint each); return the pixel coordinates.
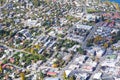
(65, 76)
(0, 68)
(36, 3)
(80, 50)
(22, 75)
(102, 18)
(41, 75)
(71, 78)
(106, 45)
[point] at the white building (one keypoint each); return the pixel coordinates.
(97, 75)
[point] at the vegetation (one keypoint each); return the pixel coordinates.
(4, 33)
(64, 76)
(92, 10)
(65, 43)
(1, 69)
(22, 76)
(2, 2)
(106, 45)
(72, 78)
(90, 42)
(26, 58)
(80, 50)
(41, 75)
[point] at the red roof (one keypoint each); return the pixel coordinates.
(51, 73)
(4, 65)
(12, 60)
(0, 62)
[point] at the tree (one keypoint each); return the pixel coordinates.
(72, 78)
(96, 59)
(96, 20)
(106, 45)
(32, 50)
(36, 3)
(47, 1)
(64, 76)
(80, 50)
(41, 75)
(55, 65)
(0, 68)
(97, 39)
(41, 57)
(89, 42)
(110, 41)
(37, 46)
(22, 75)
(102, 18)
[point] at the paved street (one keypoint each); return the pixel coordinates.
(4, 4)
(98, 66)
(89, 36)
(67, 66)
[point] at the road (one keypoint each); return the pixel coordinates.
(98, 66)
(50, 59)
(89, 36)
(16, 66)
(18, 50)
(67, 66)
(4, 4)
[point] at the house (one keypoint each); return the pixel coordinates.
(87, 68)
(82, 76)
(85, 27)
(96, 51)
(107, 77)
(108, 63)
(63, 21)
(116, 46)
(68, 72)
(51, 78)
(118, 74)
(81, 59)
(74, 48)
(52, 33)
(89, 65)
(12, 60)
(91, 62)
(89, 17)
(30, 22)
(67, 57)
(1, 27)
(97, 75)
(1, 49)
(111, 57)
(25, 33)
(100, 53)
(73, 66)
(51, 73)
(40, 51)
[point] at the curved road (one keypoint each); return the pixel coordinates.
(4, 4)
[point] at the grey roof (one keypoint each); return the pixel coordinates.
(50, 78)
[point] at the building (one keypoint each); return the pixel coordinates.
(116, 46)
(51, 78)
(51, 73)
(97, 76)
(82, 76)
(85, 27)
